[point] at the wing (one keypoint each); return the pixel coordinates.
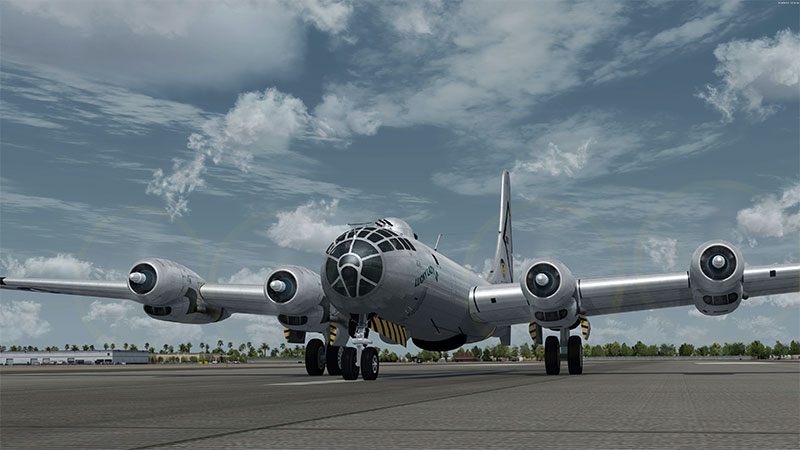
(637, 293)
(234, 298)
(510, 303)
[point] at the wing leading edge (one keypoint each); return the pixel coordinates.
(236, 298)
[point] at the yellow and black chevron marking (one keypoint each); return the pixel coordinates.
(332, 334)
(532, 330)
(393, 331)
(286, 333)
(584, 326)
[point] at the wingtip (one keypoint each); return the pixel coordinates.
(2, 281)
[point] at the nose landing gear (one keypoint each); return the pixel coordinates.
(362, 358)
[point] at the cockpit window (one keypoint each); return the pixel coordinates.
(341, 249)
(385, 246)
(363, 249)
(355, 266)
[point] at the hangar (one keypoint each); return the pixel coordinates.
(76, 357)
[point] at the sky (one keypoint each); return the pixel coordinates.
(234, 137)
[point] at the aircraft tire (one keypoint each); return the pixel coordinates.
(552, 361)
(349, 368)
(575, 355)
(370, 364)
(333, 359)
(315, 357)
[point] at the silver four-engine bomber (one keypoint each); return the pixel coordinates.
(379, 281)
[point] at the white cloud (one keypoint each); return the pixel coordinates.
(339, 117)
(653, 330)
(63, 97)
(555, 162)
(20, 319)
(412, 17)
(791, 300)
(762, 327)
(771, 216)
(247, 276)
(756, 75)
(262, 329)
(326, 15)
(187, 42)
(662, 251)
(259, 123)
(63, 265)
(121, 321)
(307, 228)
(711, 19)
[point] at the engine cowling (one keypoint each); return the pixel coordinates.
(715, 275)
(550, 288)
(171, 292)
(294, 290)
(158, 282)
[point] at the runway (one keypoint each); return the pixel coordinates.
(614, 404)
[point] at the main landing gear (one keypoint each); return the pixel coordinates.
(345, 361)
(571, 347)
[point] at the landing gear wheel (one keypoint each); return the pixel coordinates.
(333, 359)
(315, 357)
(575, 355)
(349, 368)
(370, 364)
(552, 361)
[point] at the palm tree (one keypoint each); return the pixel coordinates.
(188, 347)
(91, 347)
(165, 348)
(264, 349)
(105, 346)
(147, 346)
(125, 345)
(113, 346)
(219, 345)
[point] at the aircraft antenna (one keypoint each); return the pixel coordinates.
(436, 246)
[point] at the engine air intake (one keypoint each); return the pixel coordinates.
(543, 280)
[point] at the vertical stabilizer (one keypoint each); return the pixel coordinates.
(503, 264)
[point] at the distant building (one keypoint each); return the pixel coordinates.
(77, 357)
(464, 356)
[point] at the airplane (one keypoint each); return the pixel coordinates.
(381, 278)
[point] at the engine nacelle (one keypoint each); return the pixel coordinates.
(551, 290)
(159, 282)
(715, 275)
(171, 292)
(294, 290)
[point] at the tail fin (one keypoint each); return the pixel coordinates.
(503, 265)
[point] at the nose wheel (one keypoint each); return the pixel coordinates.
(362, 358)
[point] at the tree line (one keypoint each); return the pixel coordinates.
(244, 351)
